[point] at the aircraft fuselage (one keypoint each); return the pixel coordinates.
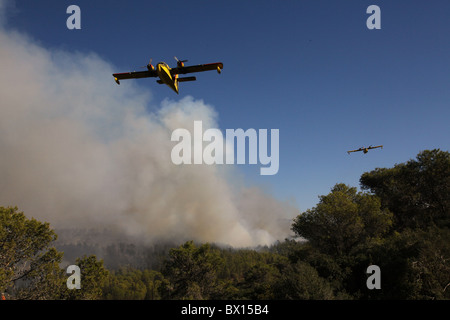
(163, 71)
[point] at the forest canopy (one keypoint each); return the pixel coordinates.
(400, 221)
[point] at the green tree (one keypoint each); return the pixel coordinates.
(416, 192)
(259, 282)
(126, 284)
(415, 258)
(190, 273)
(152, 280)
(432, 265)
(300, 281)
(29, 266)
(343, 219)
(414, 264)
(334, 270)
(132, 284)
(93, 276)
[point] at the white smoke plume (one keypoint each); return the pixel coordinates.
(78, 151)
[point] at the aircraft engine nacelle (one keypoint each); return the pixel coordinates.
(117, 80)
(219, 70)
(180, 63)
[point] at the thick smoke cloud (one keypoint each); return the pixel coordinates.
(78, 151)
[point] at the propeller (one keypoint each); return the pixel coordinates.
(180, 60)
(180, 63)
(148, 66)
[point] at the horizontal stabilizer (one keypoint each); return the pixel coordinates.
(187, 79)
(179, 79)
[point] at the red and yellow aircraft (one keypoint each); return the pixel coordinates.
(167, 75)
(365, 149)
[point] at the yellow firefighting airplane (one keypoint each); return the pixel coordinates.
(167, 75)
(365, 150)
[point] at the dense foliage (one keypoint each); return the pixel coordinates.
(400, 222)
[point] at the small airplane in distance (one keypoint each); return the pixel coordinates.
(167, 75)
(364, 149)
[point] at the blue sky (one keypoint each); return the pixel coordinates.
(311, 69)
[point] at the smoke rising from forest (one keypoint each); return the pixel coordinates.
(78, 151)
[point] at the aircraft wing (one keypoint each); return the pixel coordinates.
(134, 75)
(197, 68)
